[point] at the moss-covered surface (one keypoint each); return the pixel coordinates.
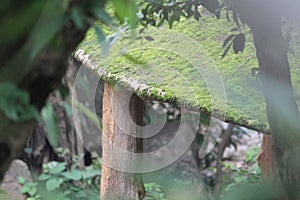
(184, 65)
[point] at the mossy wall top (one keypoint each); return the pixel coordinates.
(184, 64)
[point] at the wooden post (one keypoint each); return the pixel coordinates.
(266, 161)
(118, 184)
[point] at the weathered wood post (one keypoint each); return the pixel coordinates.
(266, 161)
(119, 184)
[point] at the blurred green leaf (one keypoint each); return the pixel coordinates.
(43, 29)
(74, 174)
(29, 188)
(154, 191)
(43, 177)
(23, 18)
(101, 38)
(126, 10)
(14, 103)
(32, 191)
(77, 17)
(51, 125)
(57, 167)
(103, 16)
(21, 180)
(251, 154)
(99, 33)
(53, 17)
(67, 108)
(53, 183)
(91, 172)
(91, 115)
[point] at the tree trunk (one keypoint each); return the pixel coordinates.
(71, 137)
(264, 19)
(117, 184)
(282, 111)
(222, 145)
(42, 151)
(266, 161)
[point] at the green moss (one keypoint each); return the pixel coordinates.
(154, 71)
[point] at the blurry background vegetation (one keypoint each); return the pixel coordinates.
(37, 39)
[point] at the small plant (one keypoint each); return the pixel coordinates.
(246, 175)
(64, 184)
(251, 154)
(154, 192)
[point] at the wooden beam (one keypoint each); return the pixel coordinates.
(118, 184)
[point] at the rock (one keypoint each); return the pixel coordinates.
(246, 142)
(10, 182)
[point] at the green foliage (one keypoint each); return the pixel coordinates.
(92, 116)
(50, 118)
(154, 192)
(40, 37)
(24, 16)
(67, 108)
(31, 40)
(31, 29)
(244, 176)
(14, 103)
(78, 17)
(126, 10)
(51, 124)
(248, 175)
(156, 13)
(237, 40)
(31, 190)
(252, 154)
(63, 183)
(58, 182)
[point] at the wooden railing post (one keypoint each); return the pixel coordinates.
(266, 161)
(118, 184)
